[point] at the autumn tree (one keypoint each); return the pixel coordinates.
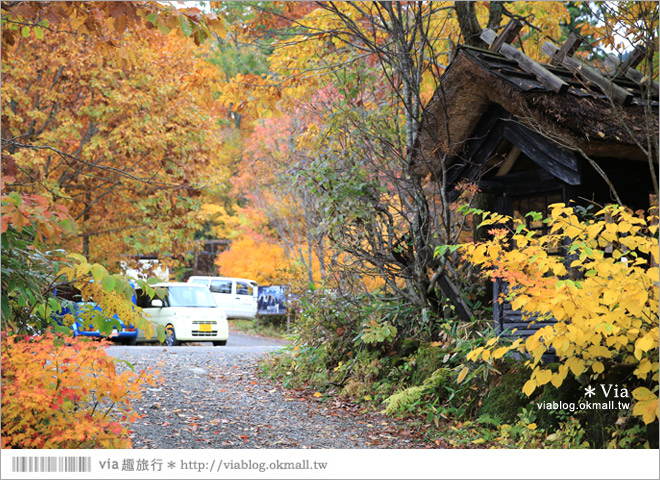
(380, 63)
(126, 140)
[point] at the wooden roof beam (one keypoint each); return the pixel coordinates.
(634, 59)
(614, 63)
(607, 86)
(508, 35)
(627, 68)
(507, 165)
(543, 75)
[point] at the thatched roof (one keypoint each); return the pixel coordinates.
(582, 118)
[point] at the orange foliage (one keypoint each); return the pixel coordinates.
(49, 220)
(104, 20)
(262, 261)
(57, 395)
(125, 140)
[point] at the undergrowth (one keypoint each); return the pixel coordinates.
(410, 364)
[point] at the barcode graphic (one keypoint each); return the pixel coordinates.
(51, 464)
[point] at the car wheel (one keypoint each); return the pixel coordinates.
(220, 343)
(170, 339)
(130, 341)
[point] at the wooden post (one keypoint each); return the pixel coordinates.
(638, 77)
(508, 35)
(616, 70)
(543, 75)
(570, 46)
(507, 165)
(607, 86)
(627, 68)
(634, 59)
(196, 260)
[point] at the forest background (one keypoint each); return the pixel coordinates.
(288, 128)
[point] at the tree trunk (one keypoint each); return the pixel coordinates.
(467, 21)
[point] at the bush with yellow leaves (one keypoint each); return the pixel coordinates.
(603, 292)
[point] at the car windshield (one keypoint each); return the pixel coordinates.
(184, 296)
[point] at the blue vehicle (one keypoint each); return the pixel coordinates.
(126, 334)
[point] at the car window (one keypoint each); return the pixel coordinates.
(243, 288)
(184, 296)
(142, 300)
(221, 286)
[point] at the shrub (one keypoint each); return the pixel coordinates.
(65, 395)
(505, 399)
(603, 294)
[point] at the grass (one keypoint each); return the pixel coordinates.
(265, 327)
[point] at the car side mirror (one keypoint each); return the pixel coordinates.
(156, 303)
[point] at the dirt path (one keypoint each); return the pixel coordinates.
(212, 397)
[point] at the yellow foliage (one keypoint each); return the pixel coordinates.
(606, 311)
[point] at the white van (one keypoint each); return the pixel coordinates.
(238, 297)
(188, 312)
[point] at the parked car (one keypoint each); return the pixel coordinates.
(187, 311)
(237, 296)
(126, 334)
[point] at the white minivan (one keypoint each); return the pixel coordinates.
(188, 312)
(238, 297)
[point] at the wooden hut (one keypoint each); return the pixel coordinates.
(532, 134)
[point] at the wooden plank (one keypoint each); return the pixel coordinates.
(607, 86)
(638, 78)
(508, 35)
(634, 59)
(542, 74)
(510, 159)
(545, 145)
(641, 79)
(570, 46)
(454, 296)
(520, 188)
(559, 164)
(529, 176)
(488, 130)
(497, 306)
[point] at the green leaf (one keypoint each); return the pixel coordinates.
(39, 33)
(98, 272)
(536, 216)
(126, 362)
(5, 308)
(153, 18)
(61, 329)
(128, 294)
(185, 25)
(105, 327)
(78, 257)
(54, 304)
(25, 31)
(160, 333)
(108, 283)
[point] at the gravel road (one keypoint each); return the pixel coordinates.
(212, 397)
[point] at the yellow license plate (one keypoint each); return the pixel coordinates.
(205, 328)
